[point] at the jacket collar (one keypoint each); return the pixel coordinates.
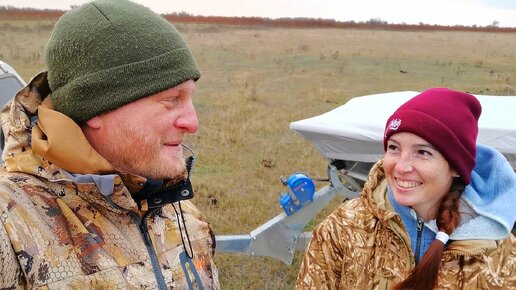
(375, 193)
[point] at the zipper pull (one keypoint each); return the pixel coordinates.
(420, 223)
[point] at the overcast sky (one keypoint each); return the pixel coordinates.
(444, 12)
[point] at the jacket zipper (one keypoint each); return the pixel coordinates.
(142, 226)
(420, 222)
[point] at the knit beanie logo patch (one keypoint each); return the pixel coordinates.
(394, 124)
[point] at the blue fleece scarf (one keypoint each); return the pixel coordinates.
(491, 195)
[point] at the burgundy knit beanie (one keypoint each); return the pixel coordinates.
(446, 119)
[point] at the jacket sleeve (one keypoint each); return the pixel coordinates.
(322, 264)
(10, 272)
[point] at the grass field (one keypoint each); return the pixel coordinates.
(256, 80)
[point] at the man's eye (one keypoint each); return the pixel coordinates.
(172, 100)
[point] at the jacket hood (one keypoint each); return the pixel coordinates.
(31, 127)
(42, 141)
(18, 118)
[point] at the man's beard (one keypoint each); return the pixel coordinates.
(140, 154)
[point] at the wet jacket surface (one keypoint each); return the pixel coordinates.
(60, 233)
(363, 244)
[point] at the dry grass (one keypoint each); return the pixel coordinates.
(257, 80)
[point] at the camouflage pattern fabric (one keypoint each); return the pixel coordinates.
(57, 234)
(364, 245)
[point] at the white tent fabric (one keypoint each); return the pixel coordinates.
(354, 131)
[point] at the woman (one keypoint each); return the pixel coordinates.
(427, 217)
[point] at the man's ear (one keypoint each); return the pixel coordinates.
(95, 122)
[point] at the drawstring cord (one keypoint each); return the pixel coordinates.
(182, 218)
(189, 167)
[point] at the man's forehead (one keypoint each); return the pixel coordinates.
(188, 85)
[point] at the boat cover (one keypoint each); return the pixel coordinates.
(354, 131)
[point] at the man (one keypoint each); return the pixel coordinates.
(95, 187)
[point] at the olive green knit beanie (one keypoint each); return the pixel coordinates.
(108, 53)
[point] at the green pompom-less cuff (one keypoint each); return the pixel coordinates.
(94, 94)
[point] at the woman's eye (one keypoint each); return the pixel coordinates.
(425, 152)
(391, 147)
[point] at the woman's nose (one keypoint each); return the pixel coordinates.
(404, 163)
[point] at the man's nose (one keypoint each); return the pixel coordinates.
(188, 119)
